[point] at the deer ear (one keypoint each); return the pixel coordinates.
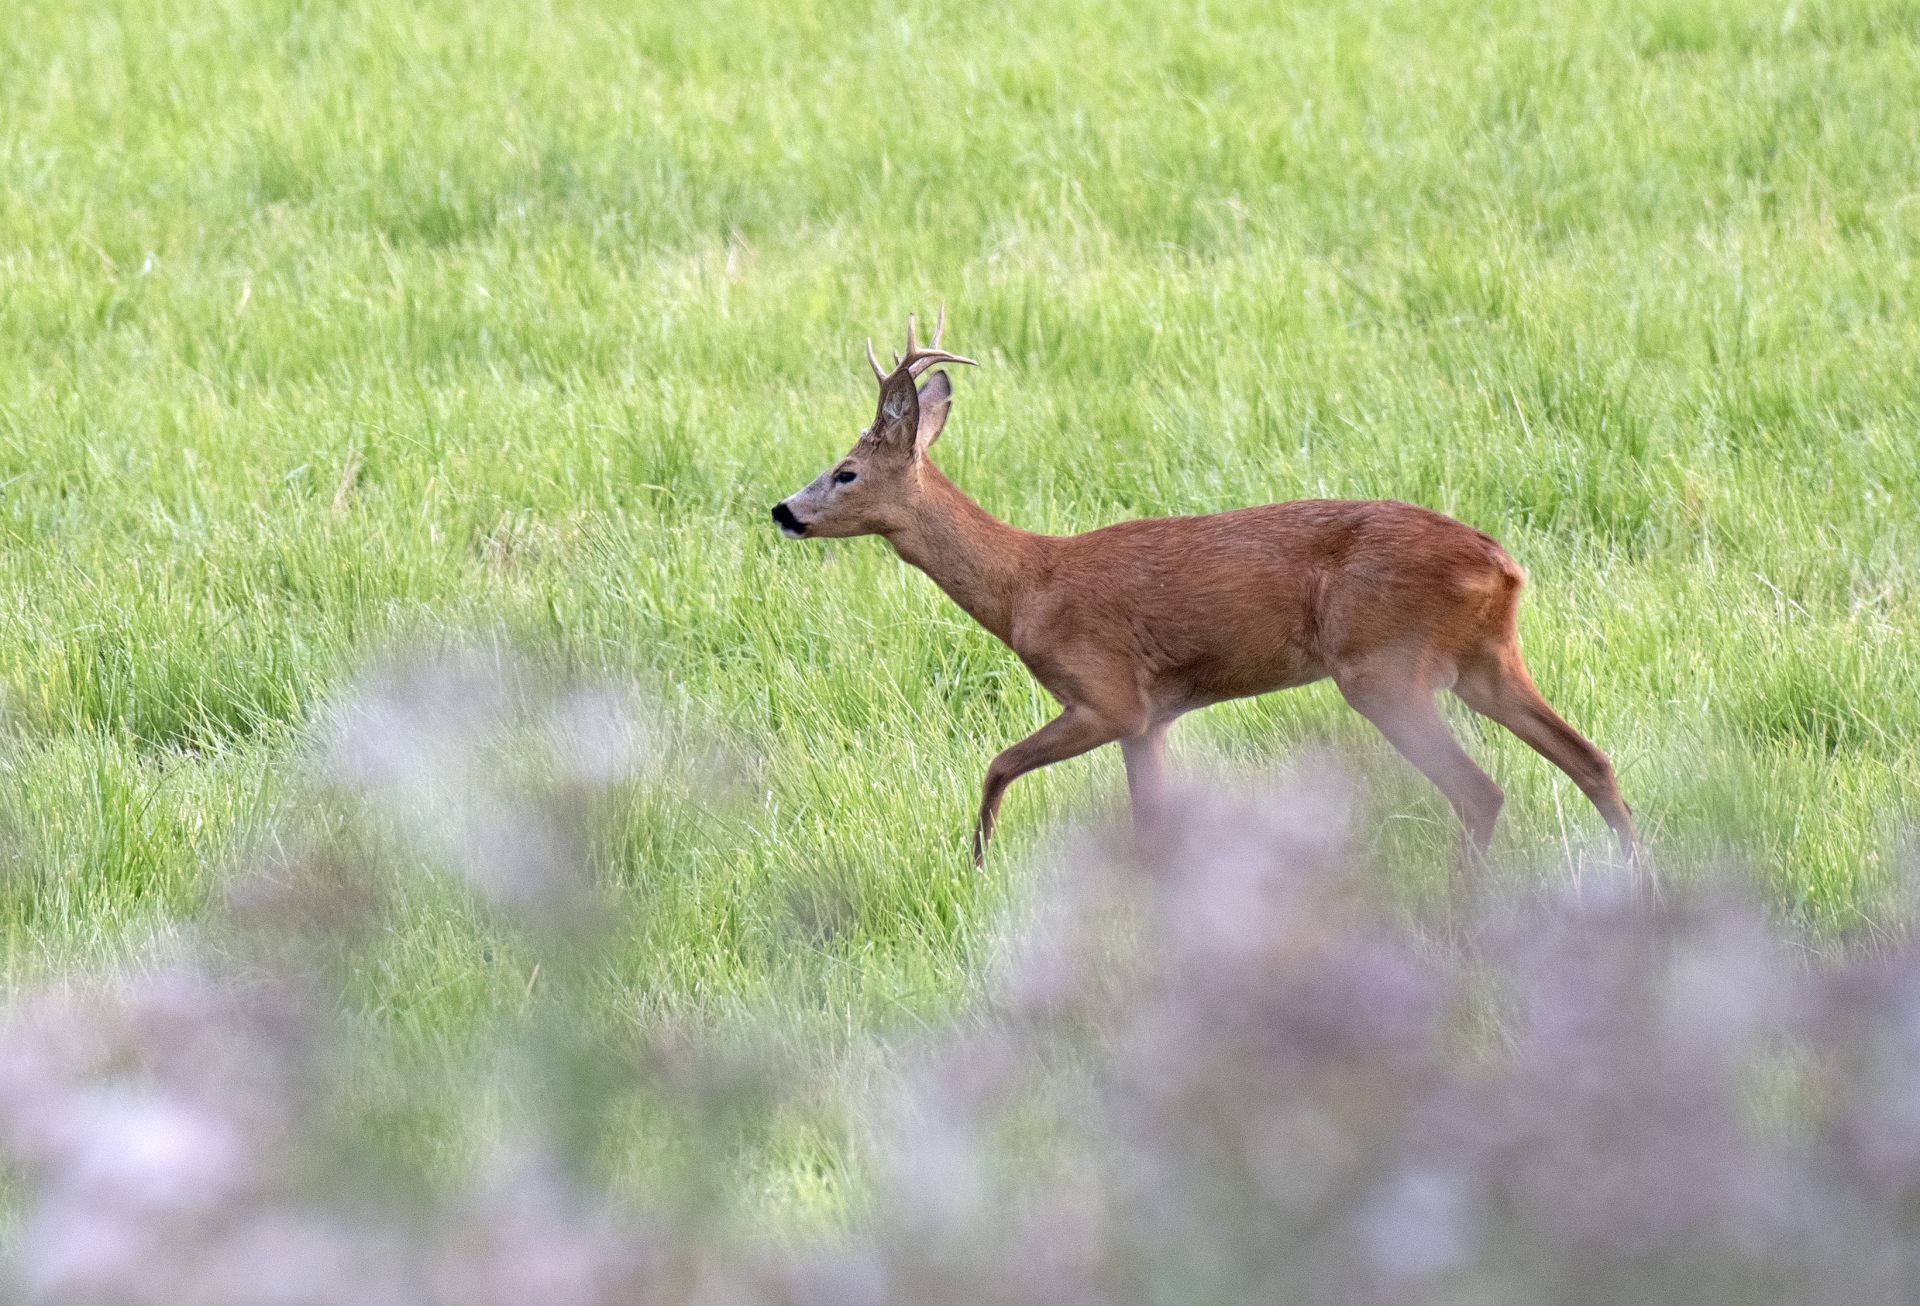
(898, 420)
(936, 396)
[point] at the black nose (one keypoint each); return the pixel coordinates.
(783, 516)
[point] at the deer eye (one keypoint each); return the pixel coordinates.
(841, 478)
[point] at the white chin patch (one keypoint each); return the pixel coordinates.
(791, 533)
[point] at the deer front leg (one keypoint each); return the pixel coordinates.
(1146, 756)
(1077, 730)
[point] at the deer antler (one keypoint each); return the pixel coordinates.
(917, 360)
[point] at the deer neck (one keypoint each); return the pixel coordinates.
(982, 563)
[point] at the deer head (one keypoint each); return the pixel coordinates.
(872, 490)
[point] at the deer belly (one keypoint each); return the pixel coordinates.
(1246, 671)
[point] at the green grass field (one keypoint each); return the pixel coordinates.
(329, 327)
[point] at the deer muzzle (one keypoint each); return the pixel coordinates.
(790, 526)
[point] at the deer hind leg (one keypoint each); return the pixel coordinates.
(1077, 730)
(1401, 705)
(1499, 687)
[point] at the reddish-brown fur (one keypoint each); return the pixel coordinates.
(1132, 625)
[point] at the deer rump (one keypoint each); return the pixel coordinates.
(1132, 625)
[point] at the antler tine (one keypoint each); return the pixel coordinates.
(916, 359)
(930, 357)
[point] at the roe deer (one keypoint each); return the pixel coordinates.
(1132, 625)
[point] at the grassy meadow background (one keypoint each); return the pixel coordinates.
(328, 328)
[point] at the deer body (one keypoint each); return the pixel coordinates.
(1133, 625)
